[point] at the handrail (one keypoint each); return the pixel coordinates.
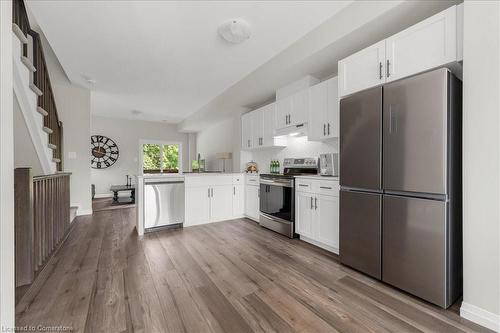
(54, 175)
(41, 80)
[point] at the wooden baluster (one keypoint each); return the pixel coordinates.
(23, 191)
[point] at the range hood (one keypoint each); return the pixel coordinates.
(292, 131)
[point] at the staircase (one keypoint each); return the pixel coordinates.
(33, 90)
(42, 209)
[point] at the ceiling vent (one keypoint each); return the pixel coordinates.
(235, 31)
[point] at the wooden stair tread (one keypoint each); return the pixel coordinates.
(41, 111)
(47, 130)
(19, 33)
(27, 62)
(35, 89)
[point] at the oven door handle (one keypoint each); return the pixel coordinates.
(276, 183)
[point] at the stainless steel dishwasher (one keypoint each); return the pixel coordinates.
(163, 203)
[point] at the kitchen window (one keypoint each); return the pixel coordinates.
(161, 157)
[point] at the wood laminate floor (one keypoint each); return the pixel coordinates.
(230, 276)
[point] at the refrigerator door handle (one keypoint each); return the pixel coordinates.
(393, 119)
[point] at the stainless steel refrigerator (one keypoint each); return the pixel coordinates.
(400, 199)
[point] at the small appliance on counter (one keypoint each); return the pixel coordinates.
(329, 164)
(277, 195)
(251, 167)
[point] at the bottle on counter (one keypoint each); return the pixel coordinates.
(271, 167)
(277, 166)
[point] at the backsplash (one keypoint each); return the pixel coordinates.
(297, 147)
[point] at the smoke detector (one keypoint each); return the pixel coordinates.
(235, 31)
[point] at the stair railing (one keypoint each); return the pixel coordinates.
(42, 220)
(41, 80)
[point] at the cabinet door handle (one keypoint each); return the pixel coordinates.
(326, 187)
(316, 203)
(303, 185)
(212, 192)
(387, 71)
(328, 128)
(234, 190)
(208, 193)
(324, 129)
(289, 118)
(312, 203)
(380, 70)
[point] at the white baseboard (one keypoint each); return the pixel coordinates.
(480, 316)
(103, 195)
(319, 244)
(81, 212)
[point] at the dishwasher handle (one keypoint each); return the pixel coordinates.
(167, 183)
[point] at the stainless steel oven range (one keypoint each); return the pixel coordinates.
(277, 195)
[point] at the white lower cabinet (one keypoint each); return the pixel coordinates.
(304, 214)
(213, 198)
(221, 197)
(238, 200)
(252, 198)
(197, 201)
(317, 213)
(327, 216)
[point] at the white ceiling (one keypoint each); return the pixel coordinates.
(164, 58)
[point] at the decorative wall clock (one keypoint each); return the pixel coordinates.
(104, 152)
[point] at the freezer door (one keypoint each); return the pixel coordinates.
(360, 231)
(414, 247)
(361, 140)
(415, 133)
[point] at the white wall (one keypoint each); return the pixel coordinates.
(73, 107)
(481, 158)
(24, 151)
(7, 308)
(225, 136)
(221, 137)
(296, 148)
(127, 134)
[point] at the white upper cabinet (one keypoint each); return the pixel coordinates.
(258, 128)
(246, 131)
(433, 42)
(427, 44)
(283, 112)
(293, 110)
(318, 109)
(323, 110)
(257, 117)
(269, 126)
(300, 107)
(362, 70)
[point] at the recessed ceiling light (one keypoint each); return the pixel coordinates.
(235, 30)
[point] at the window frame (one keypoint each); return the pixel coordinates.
(162, 143)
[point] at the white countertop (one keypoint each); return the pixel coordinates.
(190, 174)
(319, 177)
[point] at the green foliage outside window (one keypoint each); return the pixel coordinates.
(160, 158)
(171, 158)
